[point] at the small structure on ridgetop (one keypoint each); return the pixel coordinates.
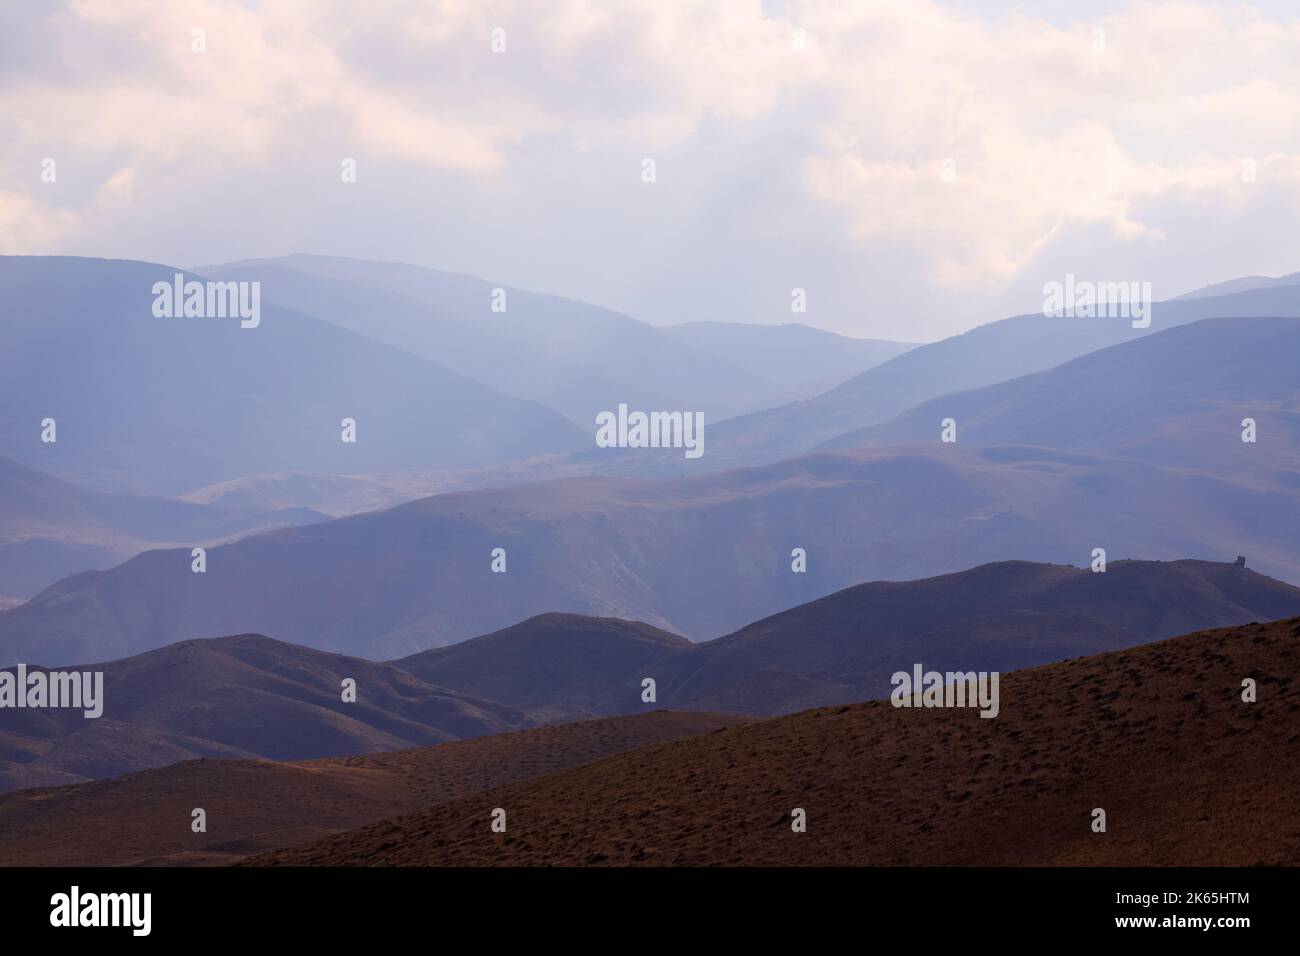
(1240, 562)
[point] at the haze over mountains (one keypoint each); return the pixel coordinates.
(252, 696)
(1175, 399)
(1073, 434)
(50, 529)
(1243, 284)
(577, 358)
(699, 557)
(983, 356)
(1135, 449)
(166, 405)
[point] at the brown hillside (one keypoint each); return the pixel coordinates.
(255, 805)
(1158, 736)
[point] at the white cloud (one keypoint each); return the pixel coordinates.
(1048, 135)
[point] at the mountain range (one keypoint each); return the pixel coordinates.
(577, 358)
(699, 557)
(986, 355)
(1177, 400)
(166, 405)
(50, 529)
(251, 696)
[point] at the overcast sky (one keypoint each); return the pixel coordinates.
(918, 167)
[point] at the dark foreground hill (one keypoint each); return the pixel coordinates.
(1158, 737)
(259, 805)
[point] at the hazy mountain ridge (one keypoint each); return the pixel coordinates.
(199, 400)
(50, 529)
(986, 355)
(578, 358)
(1174, 399)
(699, 557)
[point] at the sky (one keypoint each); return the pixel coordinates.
(917, 167)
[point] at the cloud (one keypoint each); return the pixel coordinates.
(1045, 128)
(27, 226)
(1049, 128)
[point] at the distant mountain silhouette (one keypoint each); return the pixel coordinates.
(1244, 284)
(1176, 399)
(578, 358)
(50, 529)
(171, 404)
(983, 356)
(1158, 737)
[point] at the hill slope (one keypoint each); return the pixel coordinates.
(843, 648)
(1002, 616)
(244, 696)
(143, 818)
(1157, 736)
(554, 666)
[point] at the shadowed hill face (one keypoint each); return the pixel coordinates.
(1158, 736)
(50, 529)
(1176, 399)
(997, 617)
(552, 666)
(257, 805)
(844, 647)
(171, 404)
(236, 697)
